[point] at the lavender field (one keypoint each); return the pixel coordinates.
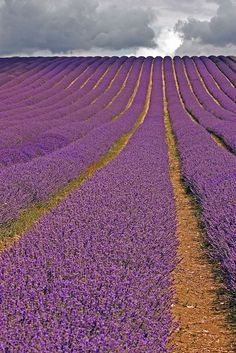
(97, 270)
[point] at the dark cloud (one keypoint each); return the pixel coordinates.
(64, 26)
(121, 27)
(219, 31)
(195, 47)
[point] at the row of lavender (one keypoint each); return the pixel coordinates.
(52, 132)
(73, 126)
(61, 102)
(95, 274)
(227, 66)
(222, 106)
(16, 127)
(35, 180)
(213, 109)
(54, 138)
(210, 172)
(59, 85)
(51, 74)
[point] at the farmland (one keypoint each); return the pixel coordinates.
(117, 204)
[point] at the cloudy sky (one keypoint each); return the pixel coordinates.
(117, 27)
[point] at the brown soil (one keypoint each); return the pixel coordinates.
(120, 90)
(132, 97)
(110, 84)
(82, 73)
(220, 142)
(202, 329)
(103, 75)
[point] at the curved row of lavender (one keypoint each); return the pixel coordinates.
(229, 61)
(220, 78)
(222, 99)
(32, 133)
(66, 141)
(106, 90)
(59, 94)
(225, 68)
(63, 94)
(12, 67)
(29, 98)
(20, 185)
(32, 77)
(210, 173)
(204, 98)
(95, 274)
(19, 130)
(60, 132)
(37, 97)
(223, 128)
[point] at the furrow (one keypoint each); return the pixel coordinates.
(201, 327)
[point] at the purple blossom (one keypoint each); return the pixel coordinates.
(94, 275)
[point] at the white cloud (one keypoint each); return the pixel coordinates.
(168, 42)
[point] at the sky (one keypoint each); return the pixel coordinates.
(117, 27)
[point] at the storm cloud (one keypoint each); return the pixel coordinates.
(121, 27)
(63, 26)
(215, 35)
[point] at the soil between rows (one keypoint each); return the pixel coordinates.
(202, 327)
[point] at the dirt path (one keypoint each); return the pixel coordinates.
(202, 329)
